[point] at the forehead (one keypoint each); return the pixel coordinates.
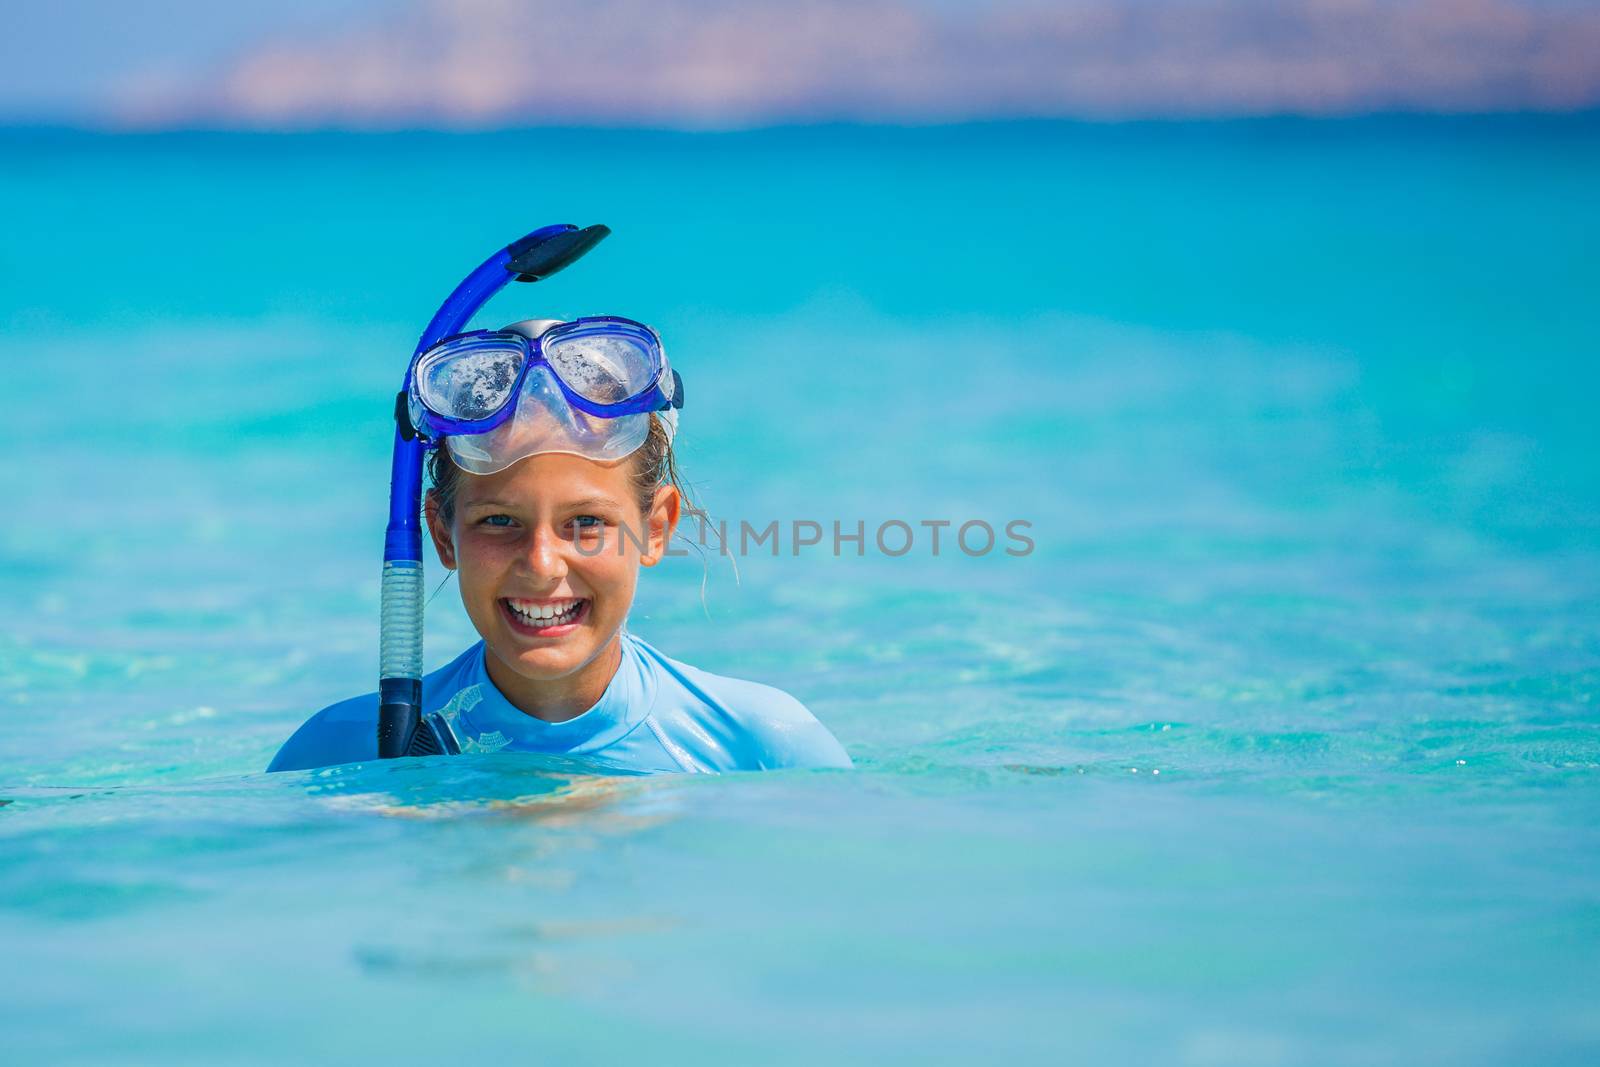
(549, 480)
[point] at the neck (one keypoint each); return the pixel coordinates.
(557, 699)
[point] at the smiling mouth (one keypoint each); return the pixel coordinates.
(545, 618)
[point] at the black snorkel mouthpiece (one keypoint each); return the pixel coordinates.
(399, 713)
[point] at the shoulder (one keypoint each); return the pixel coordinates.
(725, 723)
(347, 732)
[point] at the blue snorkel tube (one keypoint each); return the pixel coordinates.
(402, 728)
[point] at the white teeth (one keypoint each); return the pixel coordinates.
(538, 615)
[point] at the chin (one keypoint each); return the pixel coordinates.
(547, 664)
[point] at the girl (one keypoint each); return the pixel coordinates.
(547, 517)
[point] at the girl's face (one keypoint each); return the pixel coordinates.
(548, 551)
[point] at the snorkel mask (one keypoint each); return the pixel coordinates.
(586, 387)
(493, 397)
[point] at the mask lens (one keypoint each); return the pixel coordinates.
(469, 378)
(604, 362)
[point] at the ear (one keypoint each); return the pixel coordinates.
(661, 522)
(443, 543)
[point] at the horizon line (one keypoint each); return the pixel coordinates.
(1307, 118)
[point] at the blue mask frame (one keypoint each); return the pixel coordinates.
(655, 398)
(402, 729)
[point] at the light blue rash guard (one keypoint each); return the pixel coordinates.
(656, 715)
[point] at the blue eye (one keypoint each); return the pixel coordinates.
(588, 522)
(497, 520)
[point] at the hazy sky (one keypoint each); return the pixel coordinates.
(62, 57)
(717, 63)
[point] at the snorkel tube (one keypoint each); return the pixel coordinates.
(402, 730)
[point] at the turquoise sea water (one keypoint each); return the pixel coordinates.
(1281, 746)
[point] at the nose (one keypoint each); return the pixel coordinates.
(546, 558)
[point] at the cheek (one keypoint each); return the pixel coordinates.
(481, 560)
(610, 575)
